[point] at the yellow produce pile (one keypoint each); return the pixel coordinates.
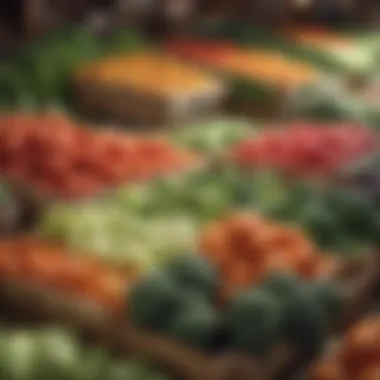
(147, 72)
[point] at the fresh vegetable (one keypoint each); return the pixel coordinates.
(357, 356)
(268, 67)
(51, 266)
(306, 149)
(364, 178)
(176, 301)
(197, 323)
(342, 54)
(333, 103)
(260, 80)
(54, 156)
(111, 234)
(246, 247)
(179, 301)
(253, 318)
(56, 354)
(213, 137)
(40, 76)
(147, 72)
(305, 321)
(204, 50)
(333, 51)
(339, 219)
(154, 301)
(207, 194)
(194, 273)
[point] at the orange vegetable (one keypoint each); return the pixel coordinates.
(318, 37)
(245, 247)
(362, 345)
(357, 357)
(51, 266)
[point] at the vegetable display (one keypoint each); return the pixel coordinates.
(306, 148)
(146, 87)
(331, 49)
(333, 103)
(260, 77)
(271, 68)
(56, 354)
(182, 301)
(205, 195)
(147, 73)
(54, 156)
(357, 356)
(53, 267)
(339, 219)
(335, 52)
(227, 248)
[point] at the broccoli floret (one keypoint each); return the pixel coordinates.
(193, 272)
(252, 318)
(154, 301)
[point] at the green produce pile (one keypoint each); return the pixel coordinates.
(213, 137)
(339, 219)
(334, 103)
(39, 76)
(206, 195)
(55, 354)
(119, 238)
(156, 221)
(180, 301)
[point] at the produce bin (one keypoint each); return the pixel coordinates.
(261, 82)
(348, 54)
(148, 88)
(358, 280)
(50, 157)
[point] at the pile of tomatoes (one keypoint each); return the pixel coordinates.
(306, 149)
(53, 155)
(53, 267)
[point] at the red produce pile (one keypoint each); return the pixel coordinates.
(57, 157)
(204, 51)
(306, 149)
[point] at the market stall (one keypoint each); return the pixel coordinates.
(184, 199)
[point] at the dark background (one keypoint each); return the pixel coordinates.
(21, 20)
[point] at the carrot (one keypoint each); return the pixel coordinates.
(51, 266)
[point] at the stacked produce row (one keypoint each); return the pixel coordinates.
(309, 73)
(228, 249)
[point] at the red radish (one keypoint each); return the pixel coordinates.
(305, 148)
